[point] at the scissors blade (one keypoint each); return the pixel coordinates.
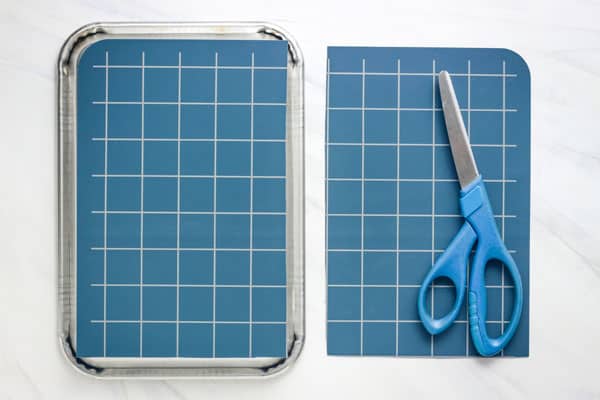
(464, 162)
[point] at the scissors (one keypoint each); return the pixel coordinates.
(480, 227)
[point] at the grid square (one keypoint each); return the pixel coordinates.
(233, 231)
(379, 338)
(196, 231)
(268, 268)
(379, 268)
(160, 303)
(94, 304)
(197, 121)
(486, 127)
(160, 231)
(381, 91)
(343, 303)
(380, 197)
(380, 162)
(160, 55)
(232, 304)
(445, 297)
(96, 163)
(415, 233)
(420, 89)
(345, 162)
(416, 162)
(196, 158)
(269, 340)
(269, 159)
(489, 161)
(196, 267)
(196, 194)
(233, 158)
(446, 229)
(122, 340)
(161, 84)
(234, 85)
(407, 303)
(123, 230)
(195, 303)
(159, 340)
(197, 85)
(452, 342)
(160, 121)
(345, 91)
(343, 338)
(269, 195)
(122, 267)
(509, 300)
(413, 339)
(233, 195)
(493, 273)
(124, 84)
(268, 231)
(413, 267)
(379, 232)
(160, 267)
(160, 158)
(270, 86)
(444, 164)
(195, 340)
(125, 120)
(440, 132)
(444, 192)
(380, 303)
(160, 194)
(343, 268)
(123, 194)
(269, 122)
(124, 157)
(344, 232)
(94, 271)
(486, 92)
(345, 197)
(345, 126)
(232, 340)
(415, 127)
(269, 304)
(94, 237)
(233, 268)
(122, 303)
(381, 126)
(415, 197)
(233, 122)
(494, 304)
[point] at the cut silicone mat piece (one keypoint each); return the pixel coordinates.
(183, 185)
(392, 192)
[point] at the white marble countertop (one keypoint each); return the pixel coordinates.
(559, 40)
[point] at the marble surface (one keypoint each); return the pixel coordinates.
(560, 41)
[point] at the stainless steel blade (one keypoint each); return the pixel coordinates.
(464, 162)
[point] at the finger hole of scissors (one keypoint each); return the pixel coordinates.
(499, 287)
(441, 298)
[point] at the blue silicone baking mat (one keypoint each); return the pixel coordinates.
(181, 199)
(392, 192)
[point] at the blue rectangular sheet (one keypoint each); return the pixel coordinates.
(181, 199)
(392, 192)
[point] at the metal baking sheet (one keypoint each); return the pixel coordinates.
(181, 199)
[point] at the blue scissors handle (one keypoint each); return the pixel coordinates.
(476, 208)
(451, 265)
(481, 226)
